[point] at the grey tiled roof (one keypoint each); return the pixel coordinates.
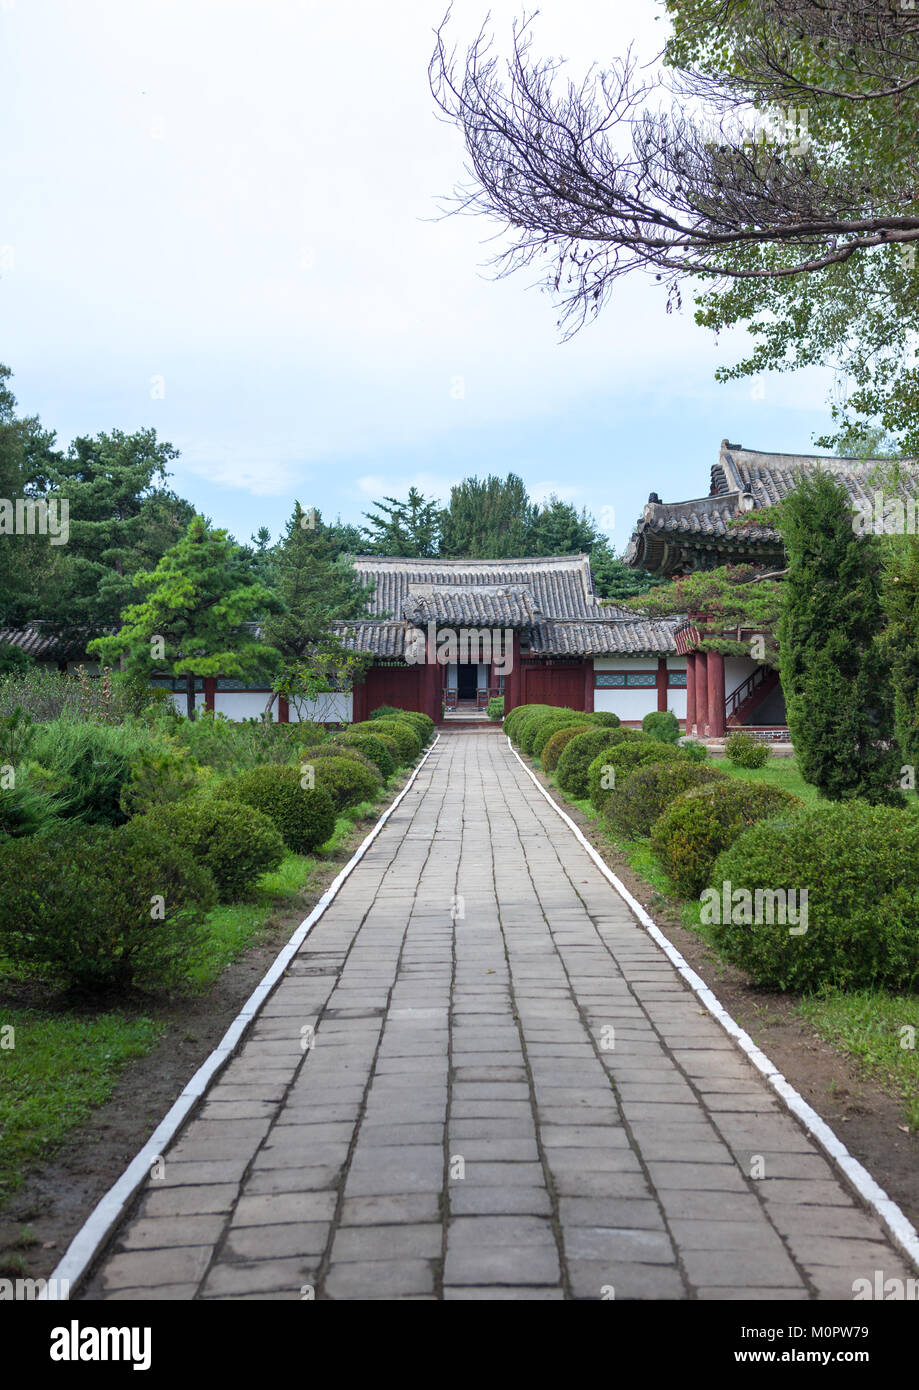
(601, 637)
(40, 640)
(382, 638)
(470, 605)
(559, 586)
(744, 481)
(629, 636)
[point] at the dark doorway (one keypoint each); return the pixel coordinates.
(467, 680)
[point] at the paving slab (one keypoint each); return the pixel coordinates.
(521, 1100)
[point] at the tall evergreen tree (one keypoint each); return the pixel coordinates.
(901, 639)
(123, 519)
(317, 586)
(836, 680)
(559, 529)
(202, 599)
(27, 456)
(488, 519)
(410, 528)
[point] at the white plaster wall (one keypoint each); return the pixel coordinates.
(628, 704)
(178, 699)
(338, 709)
(242, 704)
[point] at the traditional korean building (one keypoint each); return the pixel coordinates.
(451, 634)
(679, 538)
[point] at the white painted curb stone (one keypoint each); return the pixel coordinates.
(101, 1220)
(902, 1231)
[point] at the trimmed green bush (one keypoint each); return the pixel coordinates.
(373, 747)
(234, 841)
(336, 749)
(856, 862)
(574, 763)
(636, 800)
(545, 728)
(406, 739)
(557, 742)
(662, 725)
(423, 724)
(514, 721)
(698, 825)
(496, 708)
(304, 816)
(346, 781)
(746, 751)
(85, 902)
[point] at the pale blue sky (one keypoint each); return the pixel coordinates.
(220, 220)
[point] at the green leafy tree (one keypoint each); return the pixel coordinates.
(615, 580)
(27, 456)
(559, 529)
(318, 587)
(410, 528)
(488, 519)
(198, 616)
(738, 597)
(123, 519)
(835, 676)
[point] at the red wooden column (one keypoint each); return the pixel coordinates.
(690, 691)
(716, 695)
(702, 693)
(432, 688)
(210, 693)
(513, 679)
(359, 700)
(661, 683)
(589, 685)
(283, 710)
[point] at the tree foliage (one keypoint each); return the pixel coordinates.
(834, 672)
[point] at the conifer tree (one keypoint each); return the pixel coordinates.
(836, 680)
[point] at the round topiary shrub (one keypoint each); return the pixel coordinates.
(662, 725)
(406, 740)
(304, 816)
(553, 717)
(346, 781)
(698, 825)
(234, 841)
(574, 763)
(549, 726)
(746, 751)
(104, 908)
(423, 724)
(336, 749)
(517, 716)
(859, 925)
(636, 800)
(559, 740)
(373, 747)
(605, 719)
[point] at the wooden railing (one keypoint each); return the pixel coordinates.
(745, 689)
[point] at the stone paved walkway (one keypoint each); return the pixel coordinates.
(526, 1103)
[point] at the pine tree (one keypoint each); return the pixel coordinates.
(836, 680)
(198, 616)
(901, 640)
(410, 528)
(488, 519)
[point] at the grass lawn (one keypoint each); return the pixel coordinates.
(60, 1067)
(778, 772)
(880, 1032)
